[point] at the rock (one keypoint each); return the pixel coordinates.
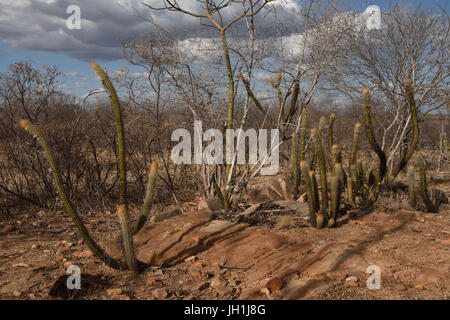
(419, 218)
(160, 294)
(203, 286)
(191, 258)
(301, 209)
(446, 242)
(351, 283)
(17, 293)
(35, 246)
(400, 287)
(217, 282)
(21, 264)
(212, 204)
(274, 284)
(223, 290)
(265, 291)
(251, 209)
(114, 291)
(166, 215)
(351, 278)
(83, 254)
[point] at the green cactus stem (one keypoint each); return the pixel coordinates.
(370, 135)
(310, 194)
(123, 201)
(294, 165)
(330, 131)
(93, 246)
(411, 186)
(423, 187)
(323, 173)
(356, 131)
(128, 247)
(412, 148)
(336, 189)
(149, 195)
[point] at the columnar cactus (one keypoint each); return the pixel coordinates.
(411, 186)
(430, 207)
(412, 148)
(93, 246)
(122, 211)
(323, 173)
(294, 166)
(149, 195)
(370, 135)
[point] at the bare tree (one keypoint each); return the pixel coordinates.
(412, 43)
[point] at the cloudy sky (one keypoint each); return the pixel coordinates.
(36, 30)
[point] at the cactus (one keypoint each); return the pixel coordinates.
(131, 262)
(310, 193)
(430, 207)
(323, 173)
(127, 238)
(303, 139)
(149, 195)
(93, 246)
(336, 189)
(412, 148)
(294, 166)
(330, 131)
(356, 131)
(370, 135)
(411, 186)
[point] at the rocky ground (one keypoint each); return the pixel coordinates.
(264, 251)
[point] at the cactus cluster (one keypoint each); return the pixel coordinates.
(131, 261)
(362, 185)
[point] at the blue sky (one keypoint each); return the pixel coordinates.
(31, 30)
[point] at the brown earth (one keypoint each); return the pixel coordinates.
(204, 255)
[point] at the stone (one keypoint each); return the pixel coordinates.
(223, 290)
(265, 291)
(211, 204)
(160, 294)
(274, 284)
(351, 283)
(191, 258)
(114, 291)
(351, 278)
(203, 286)
(21, 264)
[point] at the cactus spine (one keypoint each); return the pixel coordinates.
(95, 248)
